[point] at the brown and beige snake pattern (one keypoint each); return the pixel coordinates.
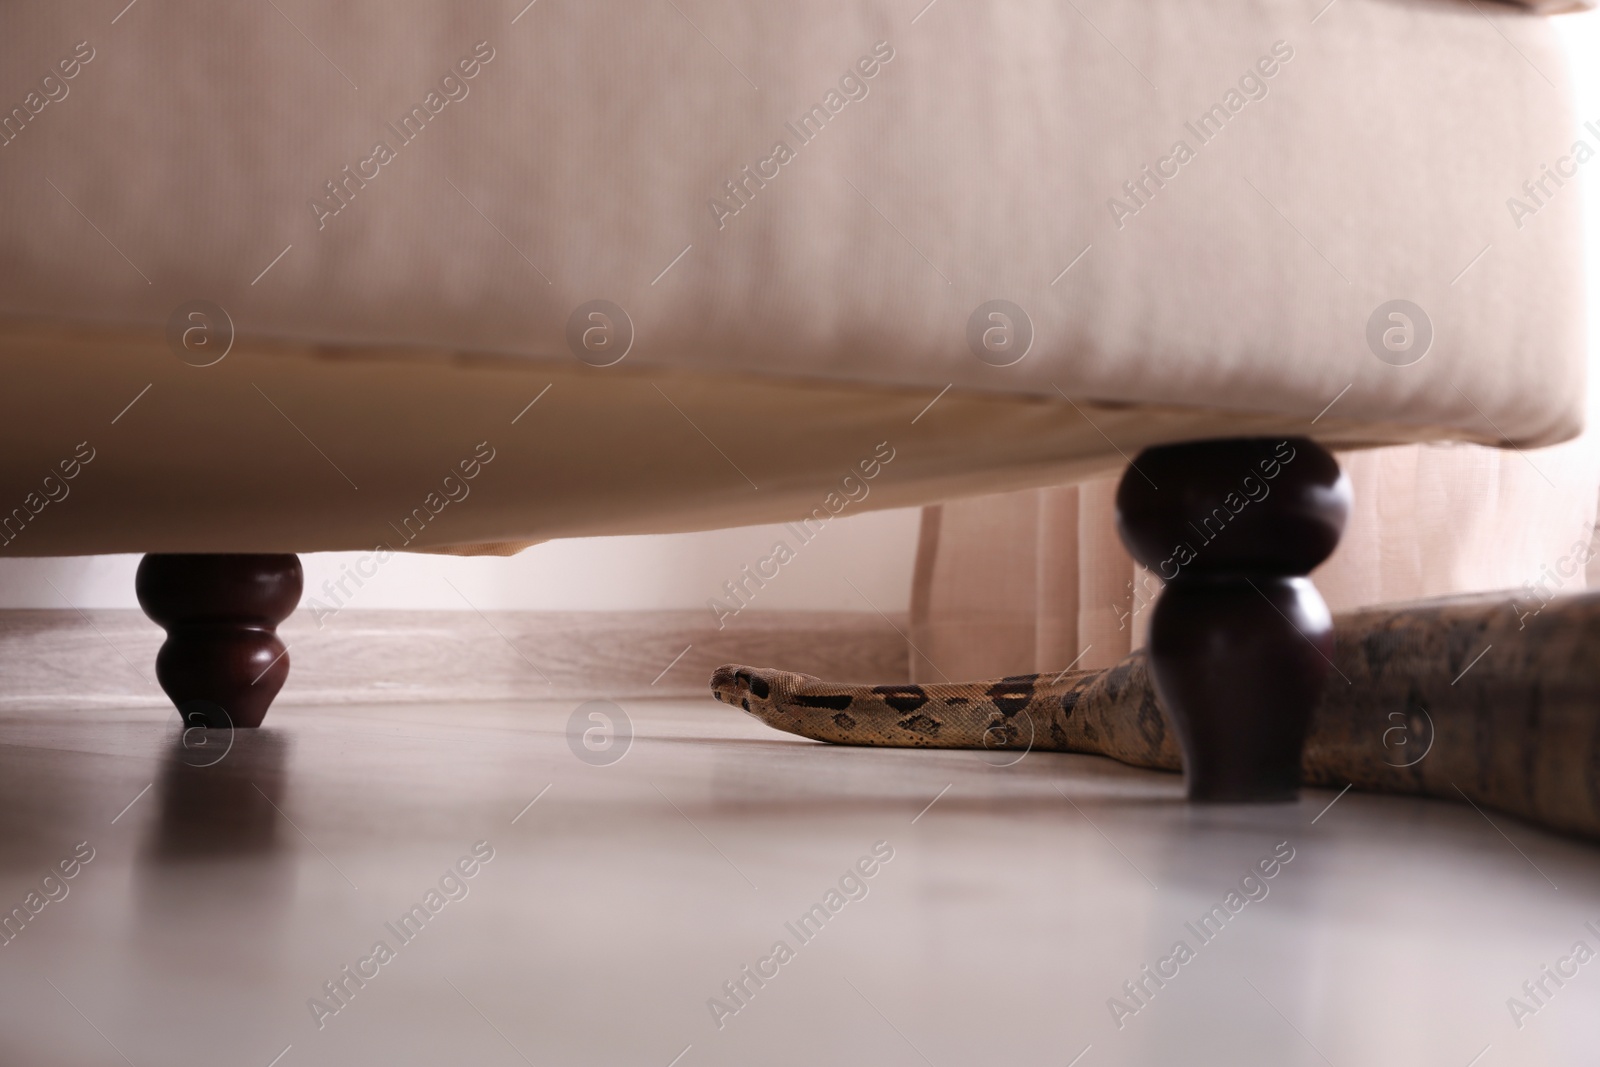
(1415, 704)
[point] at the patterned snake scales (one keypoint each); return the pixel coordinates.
(1459, 698)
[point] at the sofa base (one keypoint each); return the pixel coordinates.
(222, 662)
(1240, 641)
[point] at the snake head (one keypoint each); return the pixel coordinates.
(749, 688)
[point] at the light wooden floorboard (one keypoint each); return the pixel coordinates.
(1017, 902)
(106, 659)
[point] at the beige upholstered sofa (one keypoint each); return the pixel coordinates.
(415, 311)
(276, 277)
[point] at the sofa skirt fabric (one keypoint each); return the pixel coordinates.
(1103, 224)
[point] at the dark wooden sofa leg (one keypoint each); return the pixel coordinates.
(1240, 641)
(222, 662)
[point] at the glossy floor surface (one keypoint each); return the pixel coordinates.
(538, 904)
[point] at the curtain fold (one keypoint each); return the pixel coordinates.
(1038, 580)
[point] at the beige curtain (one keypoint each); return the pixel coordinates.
(1038, 580)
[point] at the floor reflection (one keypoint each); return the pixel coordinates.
(1227, 932)
(213, 885)
(220, 837)
(220, 794)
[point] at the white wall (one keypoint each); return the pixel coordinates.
(875, 551)
(1581, 34)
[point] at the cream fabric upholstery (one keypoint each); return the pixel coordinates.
(580, 161)
(1038, 580)
(284, 447)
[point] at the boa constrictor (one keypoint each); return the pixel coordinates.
(1463, 698)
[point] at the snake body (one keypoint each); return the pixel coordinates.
(1470, 699)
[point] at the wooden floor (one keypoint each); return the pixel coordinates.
(1007, 905)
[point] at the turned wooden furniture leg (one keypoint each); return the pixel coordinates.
(222, 662)
(1240, 641)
